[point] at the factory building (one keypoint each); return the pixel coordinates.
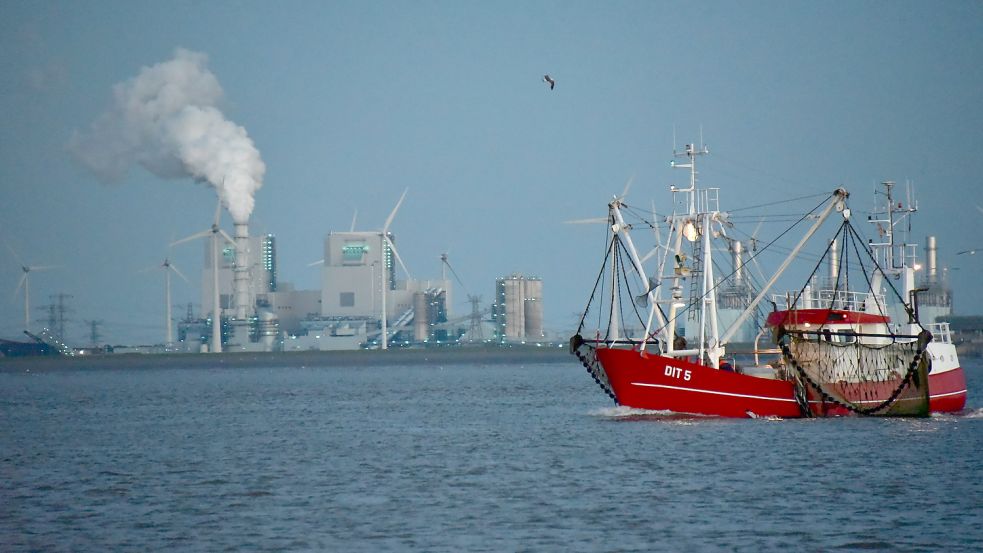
(936, 301)
(518, 309)
(262, 271)
(359, 267)
(734, 297)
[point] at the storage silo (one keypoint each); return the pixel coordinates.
(514, 306)
(533, 309)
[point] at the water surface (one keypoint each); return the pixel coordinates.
(463, 457)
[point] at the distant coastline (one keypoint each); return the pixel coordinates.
(357, 358)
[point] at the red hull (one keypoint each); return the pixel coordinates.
(659, 383)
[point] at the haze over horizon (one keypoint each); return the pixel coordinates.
(350, 103)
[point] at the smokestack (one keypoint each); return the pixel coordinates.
(240, 272)
(931, 254)
(737, 250)
(834, 260)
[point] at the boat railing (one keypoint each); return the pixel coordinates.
(845, 300)
(708, 200)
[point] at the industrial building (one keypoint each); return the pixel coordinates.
(518, 309)
(935, 303)
(359, 281)
(734, 297)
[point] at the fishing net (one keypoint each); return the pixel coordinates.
(869, 375)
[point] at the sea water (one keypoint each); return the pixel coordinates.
(465, 457)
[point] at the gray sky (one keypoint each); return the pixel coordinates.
(349, 103)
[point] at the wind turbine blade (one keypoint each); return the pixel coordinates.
(655, 226)
(354, 218)
(178, 272)
(396, 253)
(195, 236)
(225, 235)
(392, 215)
(590, 221)
(649, 255)
(624, 192)
(316, 263)
(12, 252)
(20, 284)
(754, 235)
(44, 267)
(148, 269)
(980, 209)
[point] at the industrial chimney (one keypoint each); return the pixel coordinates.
(931, 254)
(737, 250)
(240, 272)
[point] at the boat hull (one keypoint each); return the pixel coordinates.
(647, 381)
(655, 382)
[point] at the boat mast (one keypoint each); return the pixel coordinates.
(689, 226)
(894, 259)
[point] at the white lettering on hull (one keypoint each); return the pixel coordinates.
(677, 372)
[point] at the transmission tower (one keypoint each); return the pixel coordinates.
(475, 331)
(52, 311)
(62, 310)
(94, 336)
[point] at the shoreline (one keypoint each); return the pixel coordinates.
(343, 358)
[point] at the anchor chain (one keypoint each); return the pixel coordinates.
(589, 361)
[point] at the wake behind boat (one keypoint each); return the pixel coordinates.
(849, 343)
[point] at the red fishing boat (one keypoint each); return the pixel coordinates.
(842, 344)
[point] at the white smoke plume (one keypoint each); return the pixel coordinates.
(166, 120)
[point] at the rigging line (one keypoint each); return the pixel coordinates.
(614, 284)
(798, 295)
(808, 197)
(768, 245)
(594, 291)
(630, 294)
(786, 231)
(770, 217)
(870, 285)
(631, 211)
(786, 180)
(908, 309)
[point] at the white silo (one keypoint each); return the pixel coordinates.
(533, 309)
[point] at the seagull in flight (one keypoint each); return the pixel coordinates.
(548, 79)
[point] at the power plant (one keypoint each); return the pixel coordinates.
(367, 299)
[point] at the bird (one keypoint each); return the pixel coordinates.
(548, 79)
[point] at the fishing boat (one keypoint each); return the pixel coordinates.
(842, 344)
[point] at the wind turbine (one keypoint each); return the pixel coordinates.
(25, 281)
(384, 234)
(213, 232)
(167, 266)
(606, 220)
